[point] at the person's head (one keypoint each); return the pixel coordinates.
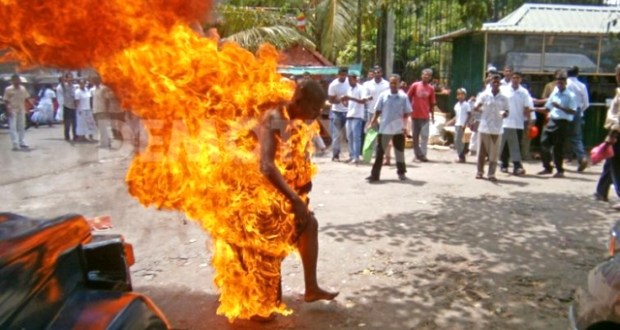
(495, 83)
(517, 78)
(378, 73)
(394, 83)
(573, 71)
(491, 70)
(352, 79)
(96, 81)
(68, 77)
(560, 80)
(82, 83)
(342, 74)
(461, 94)
(308, 100)
(508, 72)
(427, 75)
(16, 80)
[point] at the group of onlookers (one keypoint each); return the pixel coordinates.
(384, 106)
(505, 111)
(84, 106)
(87, 107)
(500, 117)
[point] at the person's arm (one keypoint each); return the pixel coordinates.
(332, 97)
(7, 103)
(411, 92)
(91, 100)
(374, 120)
(467, 109)
(506, 108)
(407, 111)
(432, 100)
(611, 121)
(269, 130)
(362, 99)
(478, 104)
(586, 99)
(570, 108)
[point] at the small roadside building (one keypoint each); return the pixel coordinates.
(538, 39)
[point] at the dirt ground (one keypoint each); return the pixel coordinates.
(439, 251)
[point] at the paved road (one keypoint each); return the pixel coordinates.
(441, 250)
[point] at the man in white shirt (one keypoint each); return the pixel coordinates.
(520, 104)
(494, 107)
(375, 87)
(338, 115)
(15, 98)
(583, 102)
(561, 106)
(59, 99)
(508, 72)
(394, 108)
(101, 104)
(356, 98)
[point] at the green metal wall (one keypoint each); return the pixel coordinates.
(467, 64)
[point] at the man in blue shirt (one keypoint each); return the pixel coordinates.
(562, 106)
(394, 108)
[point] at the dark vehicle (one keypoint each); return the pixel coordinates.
(597, 303)
(54, 274)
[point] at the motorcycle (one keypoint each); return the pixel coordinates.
(597, 304)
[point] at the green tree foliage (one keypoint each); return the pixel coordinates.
(331, 26)
(329, 23)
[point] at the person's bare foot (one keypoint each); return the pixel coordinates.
(319, 294)
(263, 319)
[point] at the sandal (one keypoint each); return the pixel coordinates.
(479, 176)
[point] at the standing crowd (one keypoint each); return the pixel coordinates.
(86, 107)
(501, 118)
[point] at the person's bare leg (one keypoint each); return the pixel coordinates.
(308, 245)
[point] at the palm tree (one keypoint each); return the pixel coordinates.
(252, 26)
(330, 24)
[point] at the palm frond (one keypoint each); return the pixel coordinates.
(236, 19)
(279, 36)
(334, 25)
(252, 26)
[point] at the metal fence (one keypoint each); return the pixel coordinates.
(415, 22)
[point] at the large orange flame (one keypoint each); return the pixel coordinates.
(200, 106)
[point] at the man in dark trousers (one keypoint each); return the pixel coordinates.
(394, 108)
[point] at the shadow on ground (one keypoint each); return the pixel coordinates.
(471, 263)
(481, 263)
(191, 310)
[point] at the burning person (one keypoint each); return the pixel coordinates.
(233, 159)
(277, 125)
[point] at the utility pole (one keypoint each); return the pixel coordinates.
(358, 53)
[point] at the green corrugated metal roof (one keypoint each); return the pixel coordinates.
(546, 18)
